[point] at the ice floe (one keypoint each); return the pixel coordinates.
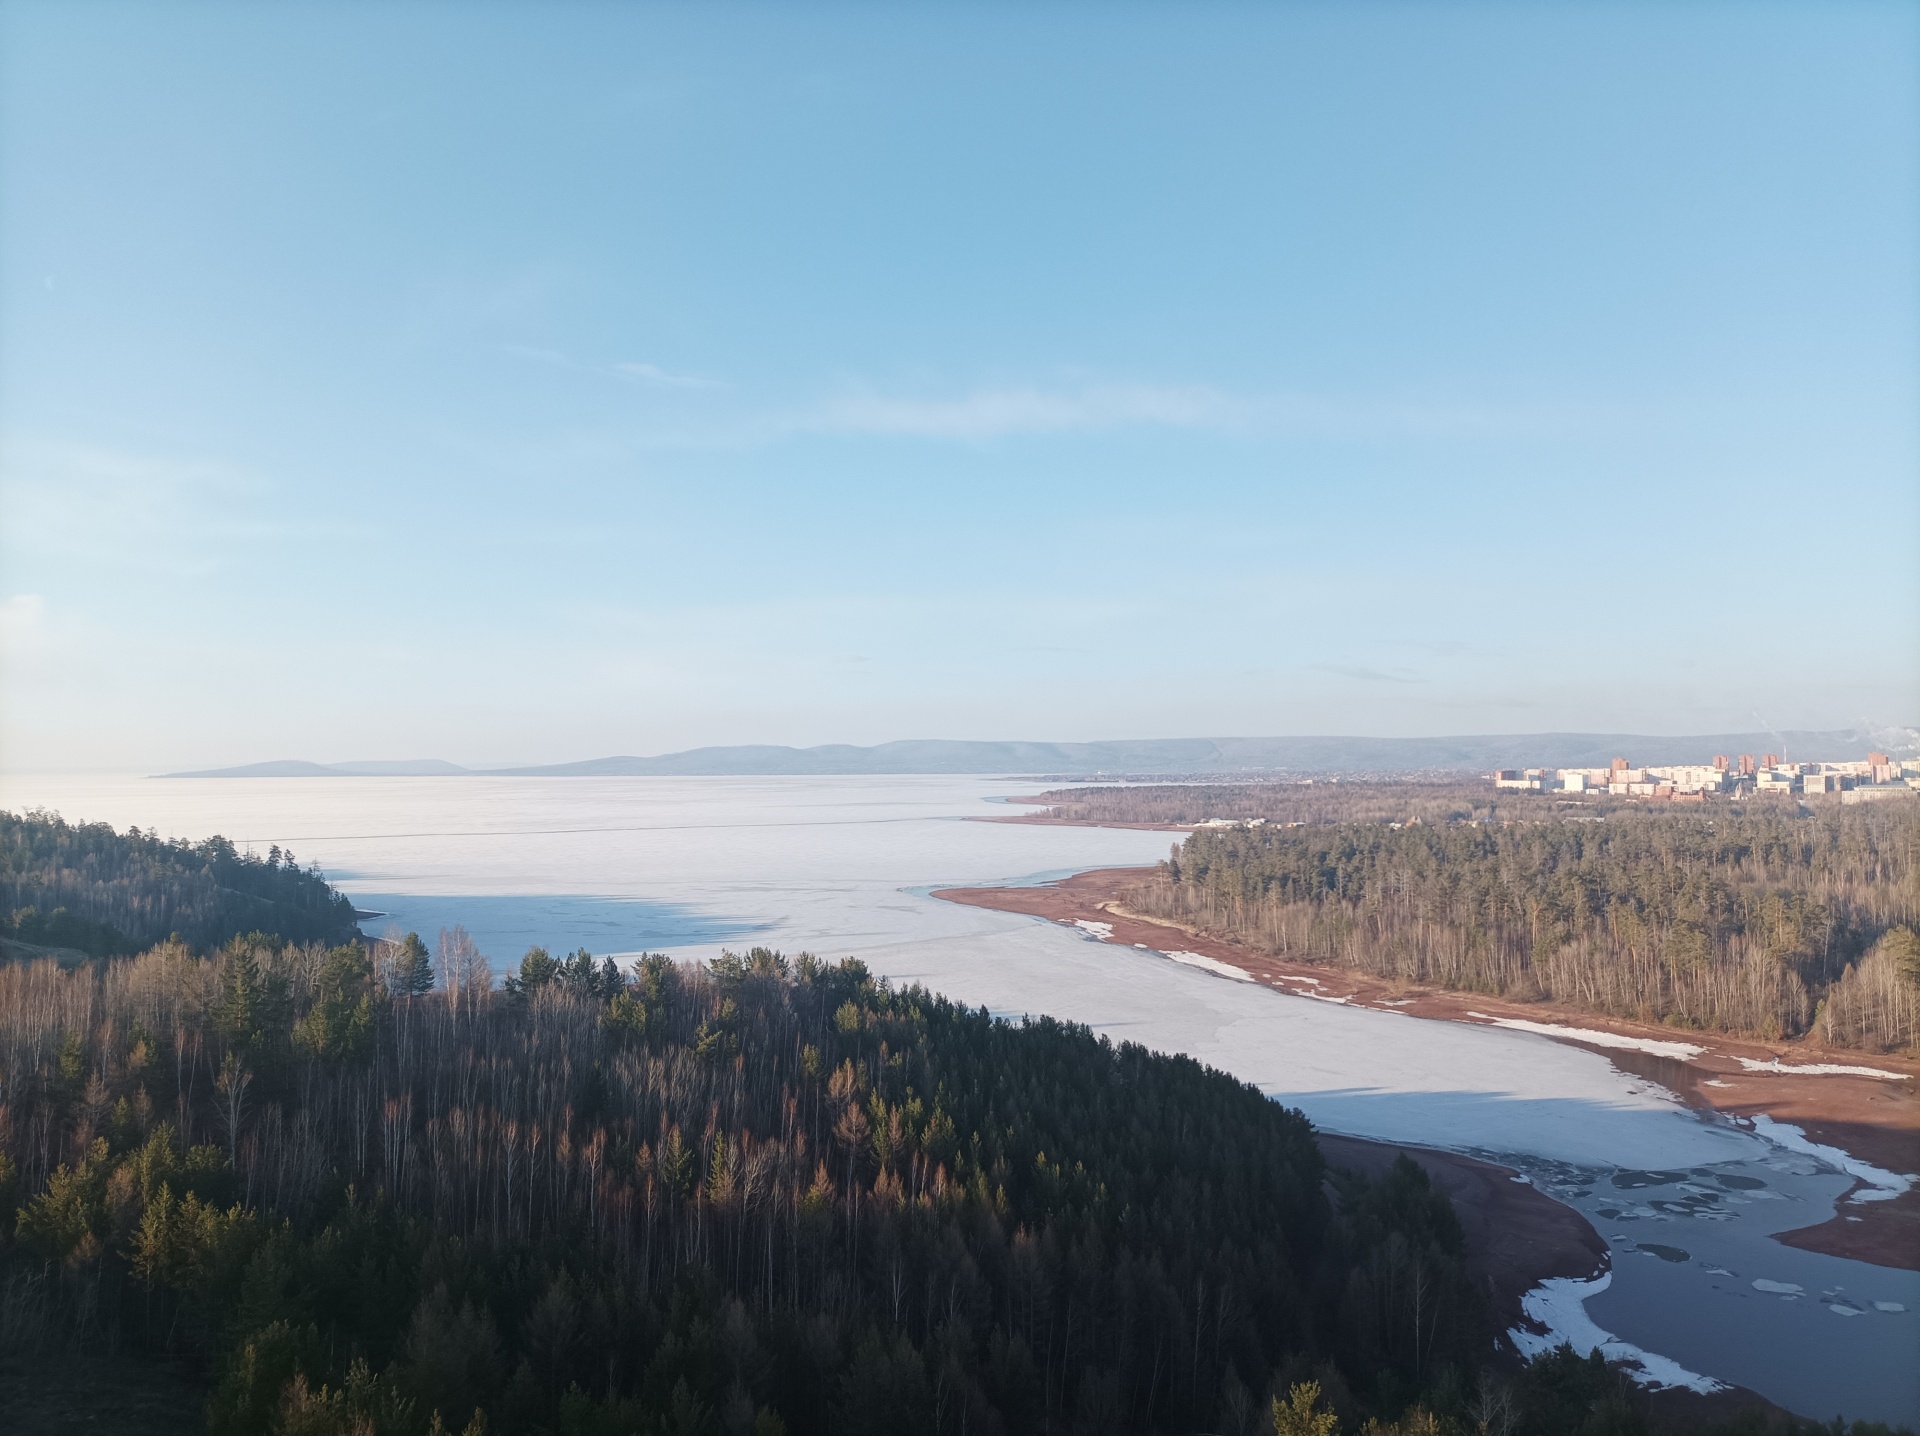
(1559, 1305)
(1659, 1048)
(1777, 1288)
(1881, 1185)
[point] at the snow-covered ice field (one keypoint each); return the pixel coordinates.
(842, 866)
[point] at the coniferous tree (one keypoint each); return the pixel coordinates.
(411, 968)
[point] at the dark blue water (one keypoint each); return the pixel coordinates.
(1697, 1276)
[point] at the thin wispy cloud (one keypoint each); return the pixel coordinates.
(147, 512)
(1368, 675)
(654, 374)
(631, 371)
(992, 413)
(1039, 409)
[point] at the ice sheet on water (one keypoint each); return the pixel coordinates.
(1595, 1037)
(1880, 1184)
(1559, 1305)
(834, 865)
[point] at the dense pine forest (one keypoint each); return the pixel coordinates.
(1769, 921)
(748, 1197)
(90, 889)
(755, 1196)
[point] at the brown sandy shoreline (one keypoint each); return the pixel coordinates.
(1875, 1119)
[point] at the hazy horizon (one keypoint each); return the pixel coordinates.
(517, 385)
(1354, 753)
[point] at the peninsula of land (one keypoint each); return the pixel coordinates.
(1864, 1105)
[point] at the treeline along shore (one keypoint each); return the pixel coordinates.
(86, 890)
(1766, 921)
(358, 1189)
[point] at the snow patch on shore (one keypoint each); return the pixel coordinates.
(1819, 1069)
(1309, 988)
(1210, 964)
(1882, 1185)
(1101, 930)
(1559, 1305)
(1678, 1050)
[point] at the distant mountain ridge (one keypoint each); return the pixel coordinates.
(1143, 756)
(300, 768)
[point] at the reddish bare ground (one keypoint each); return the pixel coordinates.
(1873, 1118)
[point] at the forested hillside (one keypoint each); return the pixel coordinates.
(1768, 922)
(748, 1198)
(87, 887)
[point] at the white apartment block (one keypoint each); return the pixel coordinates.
(1871, 778)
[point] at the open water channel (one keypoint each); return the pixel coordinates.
(841, 866)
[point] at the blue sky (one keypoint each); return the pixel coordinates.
(514, 382)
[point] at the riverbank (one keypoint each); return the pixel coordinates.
(1518, 1237)
(1870, 1116)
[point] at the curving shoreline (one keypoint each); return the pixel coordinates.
(1873, 1120)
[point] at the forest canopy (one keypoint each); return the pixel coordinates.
(1771, 921)
(88, 888)
(748, 1196)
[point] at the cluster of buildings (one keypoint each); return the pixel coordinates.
(1855, 782)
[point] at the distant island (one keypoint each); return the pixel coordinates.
(1145, 757)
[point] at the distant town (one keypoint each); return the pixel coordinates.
(1878, 776)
